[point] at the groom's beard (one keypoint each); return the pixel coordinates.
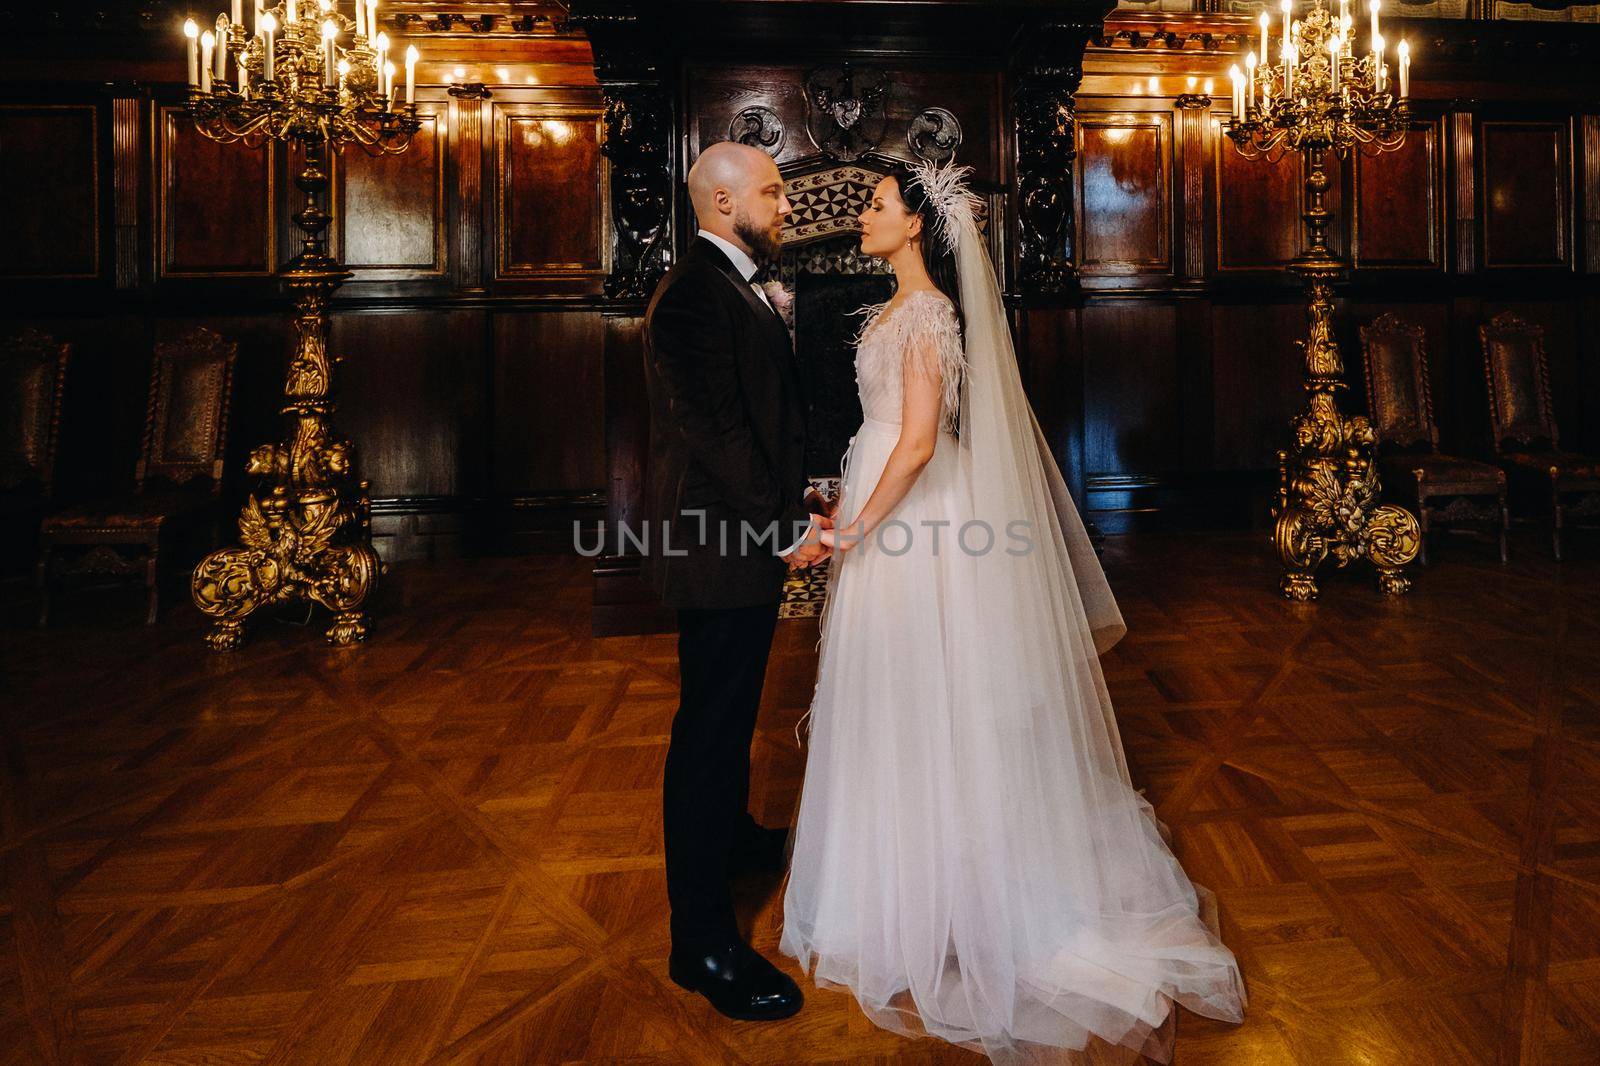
(762, 244)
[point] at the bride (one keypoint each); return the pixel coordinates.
(970, 858)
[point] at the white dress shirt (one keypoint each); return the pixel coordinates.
(741, 262)
(747, 269)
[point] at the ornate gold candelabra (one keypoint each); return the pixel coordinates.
(1323, 97)
(306, 529)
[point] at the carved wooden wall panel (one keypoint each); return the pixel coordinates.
(1125, 193)
(50, 178)
(718, 94)
(216, 203)
(1397, 221)
(419, 422)
(1257, 381)
(390, 210)
(1132, 400)
(1526, 186)
(1257, 214)
(548, 427)
(550, 192)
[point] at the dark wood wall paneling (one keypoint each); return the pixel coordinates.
(470, 336)
(481, 364)
(1182, 357)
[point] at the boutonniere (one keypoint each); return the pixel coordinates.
(782, 301)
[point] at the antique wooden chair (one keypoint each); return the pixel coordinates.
(1446, 489)
(33, 373)
(176, 482)
(1524, 427)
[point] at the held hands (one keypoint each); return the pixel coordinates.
(812, 550)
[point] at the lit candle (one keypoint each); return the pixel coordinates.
(1264, 20)
(329, 32)
(1287, 7)
(361, 22)
(208, 41)
(1344, 9)
(344, 68)
(388, 84)
(1250, 80)
(325, 5)
(1405, 69)
(1378, 67)
(220, 71)
(381, 45)
(1238, 90)
(192, 32)
(269, 26)
(1290, 56)
(1333, 55)
(1373, 7)
(411, 74)
(372, 16)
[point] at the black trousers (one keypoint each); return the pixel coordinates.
(722, 661)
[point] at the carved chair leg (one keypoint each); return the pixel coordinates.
(1555, 522)
(1422, 520)
(152, 584)
(1505, 528)
(41, 579)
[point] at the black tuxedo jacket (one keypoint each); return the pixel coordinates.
(727, 437)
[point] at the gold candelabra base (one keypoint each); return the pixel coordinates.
(306, 531)
(1328, 487)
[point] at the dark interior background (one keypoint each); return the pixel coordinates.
(492, 385)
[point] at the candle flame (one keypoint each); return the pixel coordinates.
(190, 29)
(412, 55)
(344, 67)
(268, 23)
(329, 30)
(208, 40)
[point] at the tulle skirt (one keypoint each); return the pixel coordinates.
(970, 871)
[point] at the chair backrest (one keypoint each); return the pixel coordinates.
(33, 373)
(1399, 398)
(186, 425)
(1519, 382)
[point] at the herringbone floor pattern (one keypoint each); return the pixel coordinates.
(445, 848)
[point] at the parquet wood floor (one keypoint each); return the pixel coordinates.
(445, 847)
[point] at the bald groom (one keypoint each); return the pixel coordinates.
(726, 488)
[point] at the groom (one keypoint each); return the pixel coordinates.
(727, 490)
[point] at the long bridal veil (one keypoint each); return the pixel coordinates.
(971, 858)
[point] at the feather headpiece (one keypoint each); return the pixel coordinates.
(953, 200)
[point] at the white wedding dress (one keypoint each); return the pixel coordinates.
(970, 858)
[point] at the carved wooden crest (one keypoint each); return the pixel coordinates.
(845, 113)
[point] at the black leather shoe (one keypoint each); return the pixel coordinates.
(766, 851)
(737, 981)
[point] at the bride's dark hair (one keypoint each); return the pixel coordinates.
(940, 261)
